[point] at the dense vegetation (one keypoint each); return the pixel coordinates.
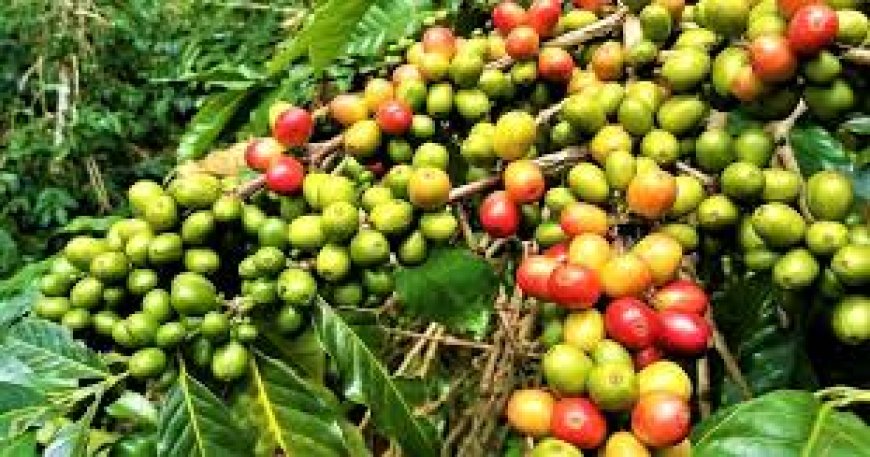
(96, 93)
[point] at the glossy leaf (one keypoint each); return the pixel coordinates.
(816, 150)
(453, 287)
(771, 355)
(195, 423)
(49, 350)
(783, 424)
(297, 415)
(362, 27)
(214, 114)
(303, 353)
(367, 381)
(134, 407)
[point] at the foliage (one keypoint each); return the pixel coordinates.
(367, 382)
(817, 149)
(94, 92)
(771, 353)
(353, 38)
(453, 287)
(194, 422)
(781, 423)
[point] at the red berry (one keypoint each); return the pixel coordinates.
(394, 117)
(499, 216)
(683, 333)
(555, 64)
(293, 127)
(261, 152)
(631, 322)
(522, 43)
(660, 419)
(574, 286)
(533, 275)
(507, 16)
(772, 58)
(579, 422)
(285, 175)
(682, 295)
(543, 15)
(812, 28)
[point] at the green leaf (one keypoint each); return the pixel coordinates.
(859, 125)
(14, 307)
(89, 224)
(73, 439)
(208, 123)
(338, 27)
(816, 149)
(771, 356)
(17, 372)
(297, 415)
(19, 406)
(23, 445)
(453, 287)
(70, 441)
(297, 87)
(783, 424)
(9, 255)
(18, 292)
(366, 381)
(302, 352)
(134, 407)
(194, 422)
(50, 350)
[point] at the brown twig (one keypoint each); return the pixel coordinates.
(473, 188)
(248, 189)
(493, 247)
(447, 340)
(857, 55)
(416, 349)
(785, 154)
(317, 152)
(705, 179)
(731, 365)
(704, 406)
(465, 226)
(551, 161)
(431, 351)
(546, 114)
